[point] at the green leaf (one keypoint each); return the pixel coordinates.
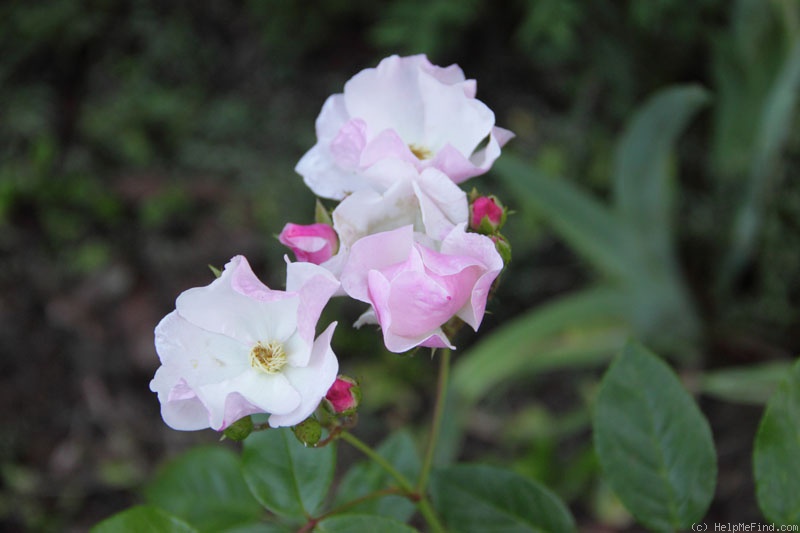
(261, 527)
(477, 498)
(643, 194)
(366, 477)
(351, 522)
(143, 518)
(776, 457)
(653, 443)
(205, 487)
(772, 132)
(641, 179)
(752, 384)
(590, 227)
(581, 329)
(288, 478)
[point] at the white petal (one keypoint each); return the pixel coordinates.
(387, 97)
(315, 285)
(368, 212)
(182, 411)
(298, 350)
(442, 203)
(312, 381)
(332, 117)
(239, 306)
(270, 393)
(322, 175)
(197, 355)
(451, 117)
(368, 317)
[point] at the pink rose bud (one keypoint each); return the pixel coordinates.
(314, 243)
(344, 396)
(487, 215)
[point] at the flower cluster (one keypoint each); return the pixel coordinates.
(404, 239)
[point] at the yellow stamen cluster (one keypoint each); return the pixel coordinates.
(421, 152)
(269, 357)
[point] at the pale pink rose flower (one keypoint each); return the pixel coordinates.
(414, 289)
(237, 347)
(312, 243)
(406, 108)
(427, 200)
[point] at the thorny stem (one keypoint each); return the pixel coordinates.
(436, 424)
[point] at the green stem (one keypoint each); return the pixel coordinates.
(436, 424)
(430, 516)
(419, 498)
(405, 484)
(372, 495)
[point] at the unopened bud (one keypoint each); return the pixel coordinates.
(344, 396)
(486, 215)
(240, 429)
(309, 431)
(312, 243)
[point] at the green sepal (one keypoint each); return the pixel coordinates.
(321, 214)
(239, 430)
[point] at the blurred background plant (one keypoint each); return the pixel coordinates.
(654, 179)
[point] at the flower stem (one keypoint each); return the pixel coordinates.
(436, 424)
(404, 483)
(424, 506)
(372, 495)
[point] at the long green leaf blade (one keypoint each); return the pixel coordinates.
(641, 179)
(589, 227)
(576, 330)
(751, 384)
(654, 444)
(773, 130)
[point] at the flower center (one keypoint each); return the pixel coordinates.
(420, 151)
(269, 357)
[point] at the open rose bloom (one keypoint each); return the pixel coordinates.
(237, 347)
(406, 109)
(414, 289)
